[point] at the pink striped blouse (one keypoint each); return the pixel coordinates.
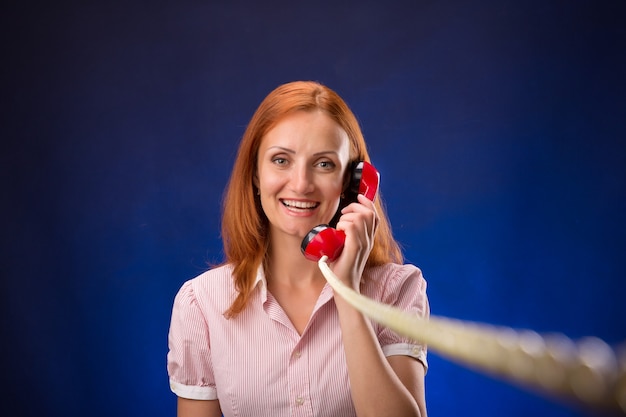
(258, 364)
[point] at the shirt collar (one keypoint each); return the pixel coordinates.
(261, 282)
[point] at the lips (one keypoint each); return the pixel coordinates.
(300, 205)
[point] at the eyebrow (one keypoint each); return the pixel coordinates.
(291, 151)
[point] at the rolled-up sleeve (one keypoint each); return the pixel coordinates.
(405, 289)
(189, 362)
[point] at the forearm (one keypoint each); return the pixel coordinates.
(376, 389)
(198, 408)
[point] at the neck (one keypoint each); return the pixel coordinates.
(288, 266)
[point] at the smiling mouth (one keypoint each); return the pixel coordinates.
(299, 205)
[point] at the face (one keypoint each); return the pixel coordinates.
(301, 165)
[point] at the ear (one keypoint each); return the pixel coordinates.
(347, 178)
(255, 180)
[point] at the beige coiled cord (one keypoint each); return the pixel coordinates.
(588, 371)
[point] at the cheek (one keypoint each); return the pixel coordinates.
(334, 194)
(270, 183)
(339, 185)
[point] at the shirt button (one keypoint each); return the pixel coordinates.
(299, 400)
(297, 354)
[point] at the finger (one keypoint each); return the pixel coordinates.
(362, 223)
(370, 208)
(365, 201)
(362, 205)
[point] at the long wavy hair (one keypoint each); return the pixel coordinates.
(244, 224)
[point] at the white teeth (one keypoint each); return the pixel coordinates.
(299, 204)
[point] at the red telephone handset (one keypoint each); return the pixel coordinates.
(325, 240)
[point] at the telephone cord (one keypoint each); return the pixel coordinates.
(587, 371)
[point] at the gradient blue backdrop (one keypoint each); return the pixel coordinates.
(498, 127)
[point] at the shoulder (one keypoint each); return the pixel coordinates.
(389, 281)
(214, 286)
(391, 267)
(390, 273)
(219, 276)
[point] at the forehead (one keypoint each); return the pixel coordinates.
(306, 129)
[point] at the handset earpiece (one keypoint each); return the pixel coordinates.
(324, 240)
(365, 180)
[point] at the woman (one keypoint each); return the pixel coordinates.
(262, 334)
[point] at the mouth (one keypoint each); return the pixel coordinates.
(301, 206)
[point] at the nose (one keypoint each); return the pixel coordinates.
(302, 180)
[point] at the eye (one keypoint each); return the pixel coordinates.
(280, 161)
(326, 164)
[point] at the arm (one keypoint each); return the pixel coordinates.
(411, 372)
(379, 386)
(198, 408)
(189, 357)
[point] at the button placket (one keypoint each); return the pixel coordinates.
(298, 376)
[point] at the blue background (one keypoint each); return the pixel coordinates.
(498, 127)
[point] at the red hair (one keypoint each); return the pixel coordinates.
(244, 225)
